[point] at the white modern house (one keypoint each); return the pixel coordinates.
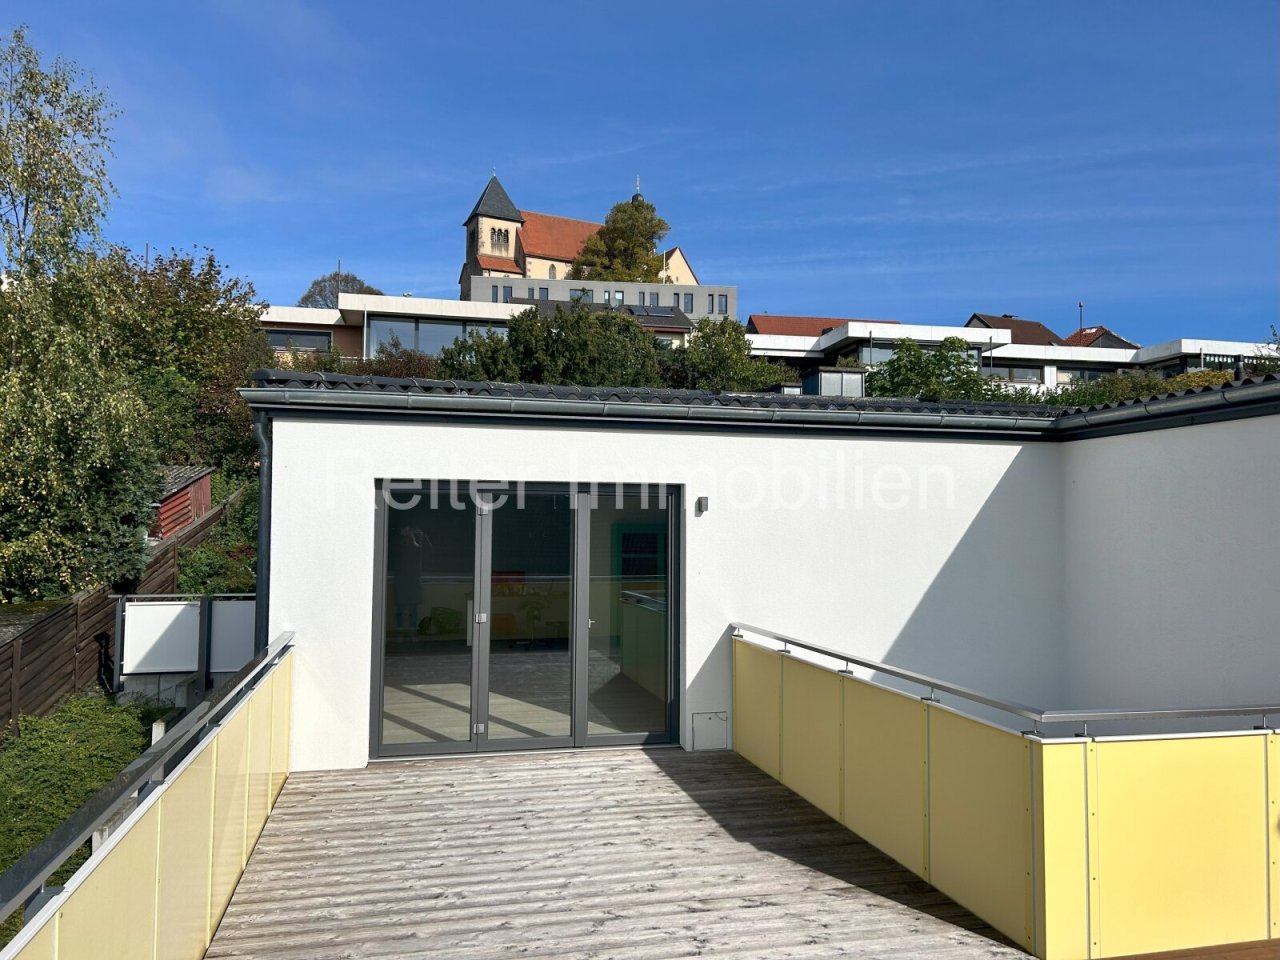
(434, 547)
(1022, 352)
(1027, 654)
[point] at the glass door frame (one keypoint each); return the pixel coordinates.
(581, 500)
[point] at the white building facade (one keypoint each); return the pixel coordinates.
(482, 568)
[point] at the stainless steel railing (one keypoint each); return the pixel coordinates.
(22, 884)
(1037, 716)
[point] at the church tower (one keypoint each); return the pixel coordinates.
(493, 230)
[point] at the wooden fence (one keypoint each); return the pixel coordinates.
(73, 646)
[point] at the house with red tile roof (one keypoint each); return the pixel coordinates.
(1099, 337)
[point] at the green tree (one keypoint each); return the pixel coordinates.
(324, 291)
(625, 247)
(719, 358)
(573, 345)
(946, 372)
(190, 335)
(54, 140)
(80, 469)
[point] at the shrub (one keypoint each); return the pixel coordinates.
(56, 763)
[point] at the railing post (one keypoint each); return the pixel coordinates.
(15, 679)
(119, 657)
(203, 649)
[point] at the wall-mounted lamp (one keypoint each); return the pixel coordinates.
(700, 506)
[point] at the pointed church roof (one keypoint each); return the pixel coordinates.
(495, 203)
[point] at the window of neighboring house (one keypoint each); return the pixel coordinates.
(506, 294)
(551, 272)
(653, 299)
(393, 332)
(584, 295)
(675, 300)
(304, 341)
(1079, 375)
(427, 336)
(1015, 374)
(543, 293)
(531, 293)
(617, 298)
(495, 293)
(711, 304)
(724, 304)
(688, 303)
(868, 355)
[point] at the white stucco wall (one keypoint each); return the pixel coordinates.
(1172, 556)
(942, 556)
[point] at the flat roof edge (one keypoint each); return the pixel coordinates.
(283, 399)
(278, 391)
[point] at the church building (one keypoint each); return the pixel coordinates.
(504, 241)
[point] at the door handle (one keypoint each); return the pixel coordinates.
(591, 623)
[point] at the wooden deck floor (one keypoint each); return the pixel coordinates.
(624, 854)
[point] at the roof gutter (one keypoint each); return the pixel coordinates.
(1258, 399)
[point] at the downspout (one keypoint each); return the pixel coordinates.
(261, 611)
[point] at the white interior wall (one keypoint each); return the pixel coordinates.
(941, 556)
(1172, 557)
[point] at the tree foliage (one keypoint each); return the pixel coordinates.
(54, 139)
(573, 345)
(606, 348)
(324, 291)
(81, 464)
(625, 247)
(191, 338)
(720, 358)
(947, 372)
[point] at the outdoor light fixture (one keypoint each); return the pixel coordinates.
(700, 506)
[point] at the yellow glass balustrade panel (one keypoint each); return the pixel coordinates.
(1273, 828)
(1061, 849)
(186, 838)
(230, 796)
(281, 712)
(112, 913)
(812, 733)
(757, 705)
(980, 821)
(1181, 842)
(41, 944)
(885, 771)
(259, 800)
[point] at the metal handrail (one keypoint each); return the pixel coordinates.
(179, 596)
(26, 877)
(1034, 714)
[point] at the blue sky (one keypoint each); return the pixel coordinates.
(907, 160)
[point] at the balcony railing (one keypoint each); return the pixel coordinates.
(1073, 846)
(189, 811)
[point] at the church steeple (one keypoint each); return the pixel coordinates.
(495, 203)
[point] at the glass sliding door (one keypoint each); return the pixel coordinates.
(539, 618)
(530, 608)
(428, 618)
(627, 673)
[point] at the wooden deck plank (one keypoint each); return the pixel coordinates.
(626, 854)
